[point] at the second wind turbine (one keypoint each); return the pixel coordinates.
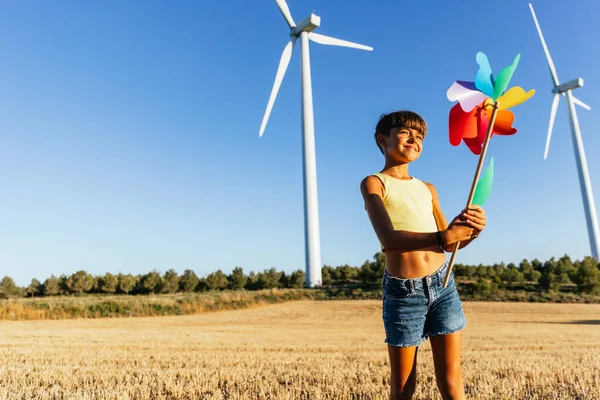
(304, 31)
(565, 90)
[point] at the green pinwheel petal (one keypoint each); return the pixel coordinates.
(504, 77)
(484, 186)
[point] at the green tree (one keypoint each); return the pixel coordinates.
(367, 272)
(481, 271)
(513, 275)
(379, 258)
(8, 288)
(51, 286)
(202, 286)
(536, 264)
(284, 280)
(326, 275)
(297, 279)
(63, 283)
(563, 279)
(550, 266)
(533, 276)
(587, 273)
(108, 283)
(188, 281)
(126, 283)
(499, 269)
(470, 271)
(483, 287)
(525, 267)
(80, 282)
(565, 266)
(35, 288)
(217, 281)
(460, 270)
(252, 282)
(150, 283)
(548, 280)
(269, 279)
(170, 282)
(237, 279)
(346, 273)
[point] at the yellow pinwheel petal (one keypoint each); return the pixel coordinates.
(514, 96)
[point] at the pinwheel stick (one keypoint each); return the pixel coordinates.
(486, 142)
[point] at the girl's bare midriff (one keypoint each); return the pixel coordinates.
(413, 264)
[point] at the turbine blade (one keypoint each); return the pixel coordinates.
(551, 125)
(285, 10)
(548, 58)
(286, 56)
(580, 103)
(327, 40)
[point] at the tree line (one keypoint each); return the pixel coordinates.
(553, 274)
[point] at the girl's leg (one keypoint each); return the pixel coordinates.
(446, 359)
(403, 363)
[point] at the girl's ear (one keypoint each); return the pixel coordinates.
(381, 140)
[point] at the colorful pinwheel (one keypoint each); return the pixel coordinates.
(482, 111)
(470, 117)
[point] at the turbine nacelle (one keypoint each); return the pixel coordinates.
(308, 24)
(571, 85)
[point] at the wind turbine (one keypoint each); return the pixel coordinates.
(304, 31)
(565, 90)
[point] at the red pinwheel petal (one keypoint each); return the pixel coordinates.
(456, 124)
(462, 124)
(475, 145)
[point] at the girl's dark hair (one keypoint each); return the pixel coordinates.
(400, 119)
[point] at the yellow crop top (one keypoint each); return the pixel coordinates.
(409, 204)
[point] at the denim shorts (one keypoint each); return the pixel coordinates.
(415, 309)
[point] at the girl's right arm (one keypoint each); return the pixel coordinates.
(372, 191)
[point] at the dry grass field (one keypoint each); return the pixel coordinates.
(298, 350)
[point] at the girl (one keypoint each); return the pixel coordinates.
(408, 221)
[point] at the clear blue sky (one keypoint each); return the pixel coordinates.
(129, 130)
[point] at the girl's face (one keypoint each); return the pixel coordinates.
(403, 145)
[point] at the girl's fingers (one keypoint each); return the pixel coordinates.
(472, 212)
(475, 218)
(476, 225)
(475, 207)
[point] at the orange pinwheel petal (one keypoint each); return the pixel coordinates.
(504, 121)
(503, 124)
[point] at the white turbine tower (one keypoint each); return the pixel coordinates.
(582, 168)
(304, 31)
